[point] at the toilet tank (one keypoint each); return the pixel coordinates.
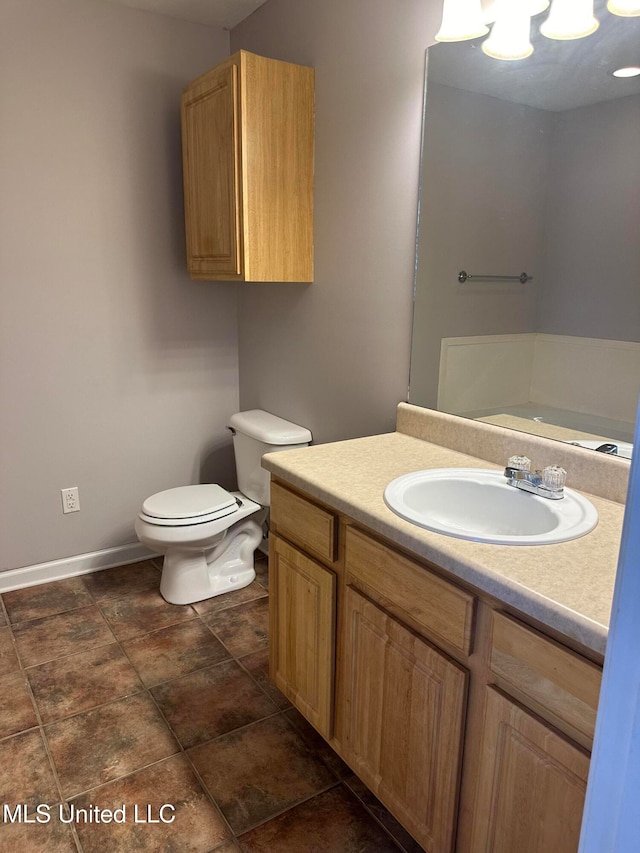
(254, 433)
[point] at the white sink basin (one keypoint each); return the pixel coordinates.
(472, 503)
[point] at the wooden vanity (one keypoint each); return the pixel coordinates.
(469, 718)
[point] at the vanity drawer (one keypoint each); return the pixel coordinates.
(561, 681)
(408, 589)
(304, 523)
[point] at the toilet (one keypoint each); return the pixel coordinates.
(208, 535)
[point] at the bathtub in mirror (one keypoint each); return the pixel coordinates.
(532, 167)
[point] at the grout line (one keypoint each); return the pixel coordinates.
(41, 732)
(184, 751)
(146, 689)
(84, 651)
(24, 622)
(185, 756)
(386, 831)
(334, 784)
(144, 633)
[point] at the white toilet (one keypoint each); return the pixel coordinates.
(208, 536)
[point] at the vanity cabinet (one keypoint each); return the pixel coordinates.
(537, 729)
(247, 147)
(403, 709)
(472, 727)
(303, 629)
(531, 784)
(303, 624)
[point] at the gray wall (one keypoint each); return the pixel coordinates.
(116, 371)
(334, 355)
(592, 252)
(485, 167)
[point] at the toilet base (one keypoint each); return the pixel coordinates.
(191, 575)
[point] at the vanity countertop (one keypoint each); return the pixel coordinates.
(567, 586)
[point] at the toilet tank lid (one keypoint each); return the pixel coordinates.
(268, 428)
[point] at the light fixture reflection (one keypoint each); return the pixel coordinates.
(570, 19)
(510, 35)
(629, 71)
(625, 8)
(461, 20)
(534, 7)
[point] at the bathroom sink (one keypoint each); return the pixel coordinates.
(478, 504)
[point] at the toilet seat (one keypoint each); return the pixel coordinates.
(188, 505)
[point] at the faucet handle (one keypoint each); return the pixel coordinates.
(554, 478)
(519, 463)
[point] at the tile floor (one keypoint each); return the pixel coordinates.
(112, 699)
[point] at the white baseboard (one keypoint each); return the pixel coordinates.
(69, 567)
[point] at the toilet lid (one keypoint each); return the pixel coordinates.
(190, 502)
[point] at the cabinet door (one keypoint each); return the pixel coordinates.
(531, 784)
(211, 164)
(303, 625)
(404, 706)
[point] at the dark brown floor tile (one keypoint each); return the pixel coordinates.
(82, 681)
(259, 771)
(16, 708)
(316, 742)
(196, 827)
(244, 628)
(113, 740)
(143, 612)
(34, 602)
(51, 837)
(257, 663)
(334, 821)
(122, 580)
(25, 771)
(228, 847)
(54, 636)
(171, 652)
(261, 566)
(373, 804)
(8, 656)
(230, 599)
(211, 702)
(3, 618)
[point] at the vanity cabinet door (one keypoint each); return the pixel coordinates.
(531, 784)
(303, 625)
(403, 718)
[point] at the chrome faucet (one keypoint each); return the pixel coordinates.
(548, 483)
(611, 449)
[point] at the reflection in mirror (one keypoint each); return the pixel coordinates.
(532, 166)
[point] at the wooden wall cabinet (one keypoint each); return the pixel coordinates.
(472, 727)
(247, 148)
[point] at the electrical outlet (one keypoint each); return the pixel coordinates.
(70, 500)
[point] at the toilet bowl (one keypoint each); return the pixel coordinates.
(208, 535)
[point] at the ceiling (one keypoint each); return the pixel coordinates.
(214, 13)
(559, 75)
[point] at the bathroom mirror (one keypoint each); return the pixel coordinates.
(532, 167)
